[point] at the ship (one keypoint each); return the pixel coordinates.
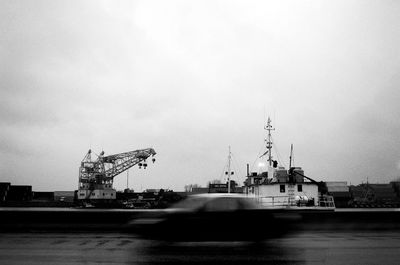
(281, 188)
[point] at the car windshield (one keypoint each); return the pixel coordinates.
(215, 203)
(222, 204)
(191, 203)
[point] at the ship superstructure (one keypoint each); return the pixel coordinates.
(282, 188)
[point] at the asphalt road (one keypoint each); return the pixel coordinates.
(369, 247)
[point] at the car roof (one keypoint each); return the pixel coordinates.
(218, 195)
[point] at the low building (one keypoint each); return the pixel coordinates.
(19, 193)
(43, 196)
(64, 196)
(4, 188)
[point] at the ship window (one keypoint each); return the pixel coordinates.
(300, 188)
(282, 187)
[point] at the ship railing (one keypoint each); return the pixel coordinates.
(285, 201)
(326, 201)
(274, 201)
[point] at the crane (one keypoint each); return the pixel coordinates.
(96, 177)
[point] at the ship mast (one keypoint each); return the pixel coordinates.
(229, 170)
(269, 128)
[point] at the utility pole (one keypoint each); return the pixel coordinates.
(291, 155)
(127, 179)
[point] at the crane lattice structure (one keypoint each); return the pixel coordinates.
(96, 177)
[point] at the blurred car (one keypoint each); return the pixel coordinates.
(210, 217)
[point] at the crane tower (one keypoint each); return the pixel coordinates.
(96, 177)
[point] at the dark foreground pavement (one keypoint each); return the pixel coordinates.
(70, 236)
(367, 247)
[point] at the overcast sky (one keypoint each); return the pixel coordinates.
(190, 79)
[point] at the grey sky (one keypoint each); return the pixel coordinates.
(190, 78)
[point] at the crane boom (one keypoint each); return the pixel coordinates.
(124, 161)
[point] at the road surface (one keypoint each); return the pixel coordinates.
(314, 247)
